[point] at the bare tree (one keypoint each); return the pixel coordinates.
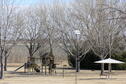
(31, 33)
(7, 30)
(100, 31)
(13, 33)
(66, 23)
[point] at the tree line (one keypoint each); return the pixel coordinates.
(101, 26)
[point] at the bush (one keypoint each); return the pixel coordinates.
(122, 57)
(90, 58)
(87, 62)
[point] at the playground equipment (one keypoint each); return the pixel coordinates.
(46, 60)
(29, 67)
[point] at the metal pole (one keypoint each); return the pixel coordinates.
(77, 32)
(77, 57)
(110, 51)
(76, 64)
(77, 70)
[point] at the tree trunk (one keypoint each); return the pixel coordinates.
(42, 68)
(110, 68)
(102, 68)
(5, 64)
(31, 57)
(78, 65)
(1, 62)
(45, 70)
(45, 66)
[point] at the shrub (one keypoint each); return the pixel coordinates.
(122, 57)
(88, 61)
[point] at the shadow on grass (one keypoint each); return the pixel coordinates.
(97, 79)
(23, 74)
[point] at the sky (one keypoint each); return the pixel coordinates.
(32, 2)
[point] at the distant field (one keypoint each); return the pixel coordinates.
(20, 53)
